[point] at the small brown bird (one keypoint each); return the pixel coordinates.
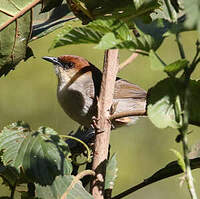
(79, 85)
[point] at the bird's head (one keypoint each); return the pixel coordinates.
(67, 66)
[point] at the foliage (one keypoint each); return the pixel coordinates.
(40, 158)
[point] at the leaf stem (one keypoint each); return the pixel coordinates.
(12, 191)
(180, 46)
(183, 132)
(182, 116)
(128, 60)
(83, 143)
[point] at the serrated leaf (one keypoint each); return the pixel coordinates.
(95, 32)
(38, 155)
(156, 62)
(180, 158)
(161, 100)
(176, 66)
(111, 172)
(117, 27)
(59, 186)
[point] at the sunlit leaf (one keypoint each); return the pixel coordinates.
(108, 41)
(96, 32)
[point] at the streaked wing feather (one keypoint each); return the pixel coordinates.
(125, 89)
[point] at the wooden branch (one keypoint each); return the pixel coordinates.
(169, 170)
(128, 61)
(19, 14)
(127, 114)
(103, 122)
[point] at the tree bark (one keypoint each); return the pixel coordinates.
(103, 123)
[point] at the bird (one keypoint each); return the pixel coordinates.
(79, 83)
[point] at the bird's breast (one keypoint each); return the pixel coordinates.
(76, 103)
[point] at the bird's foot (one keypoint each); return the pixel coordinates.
(95, 124)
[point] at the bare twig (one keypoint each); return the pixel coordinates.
(170, 170)
(127, 114)
(128, 61)
(76, 179)
(19, 14)
(103, 122)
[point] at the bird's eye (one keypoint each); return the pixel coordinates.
(70, 64)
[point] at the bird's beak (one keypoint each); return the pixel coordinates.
(53, 60)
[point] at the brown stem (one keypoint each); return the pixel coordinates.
(19, 14)
(103, 122)
(128, 61)
(75, 180)
(127, 114)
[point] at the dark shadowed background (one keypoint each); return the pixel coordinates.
(29, 94)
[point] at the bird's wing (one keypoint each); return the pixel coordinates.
(125, 89)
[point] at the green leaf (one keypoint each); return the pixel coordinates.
(109, 33)
(37, 155)
(117, 27)
(78, 35)
(59, 186)
(156, 62)
(13, 38)
(192, 9)
(161, 100)
(95, 32)
(111, 172)
(108, 41)
(180, 160)
(176, 66)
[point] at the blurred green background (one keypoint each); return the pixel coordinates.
(29, 94)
